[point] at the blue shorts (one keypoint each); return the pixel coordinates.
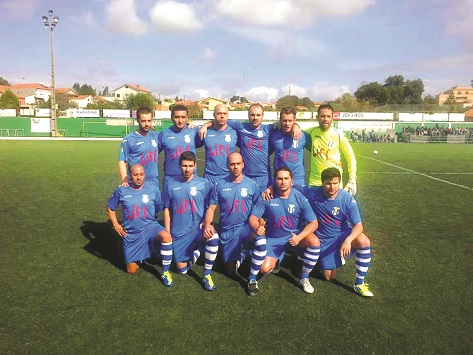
(183, 247)
(330, 257)
(277, 247)
(231, 241)
(137, 247)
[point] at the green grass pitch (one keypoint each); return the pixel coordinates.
(64, 291)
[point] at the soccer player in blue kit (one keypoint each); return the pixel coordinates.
(236, 195)
(290, 223)
(177, 139)
(140, 147)
(253, 139)
(289, 151)
(219, 142)
(185, 200)
(340, 229)
(140, 202)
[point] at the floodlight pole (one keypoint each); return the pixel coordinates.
(50, 22)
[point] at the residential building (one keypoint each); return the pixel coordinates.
(124, 91)
(209, 103)
(463, 95)
(82, 100)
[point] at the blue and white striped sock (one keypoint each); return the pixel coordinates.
(259, 253)
(211, 249)
(362, 261)
(309, 259)
(166, 255)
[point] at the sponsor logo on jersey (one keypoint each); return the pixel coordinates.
(336, 211)
(127, 196)
(331, 144)
(153, 142)
(244, 192)
(193, 191)
(187, 138)
(227, 189)
(291, 208)
(139, 143)
(228, 138)
(259, 134)
(176, 188)
(145, 198)
(274, 204)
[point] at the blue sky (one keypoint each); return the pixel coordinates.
(260, 49)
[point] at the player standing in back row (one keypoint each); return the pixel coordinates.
(327, 142)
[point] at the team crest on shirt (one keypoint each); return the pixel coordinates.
(244, 192)
(228, 138)
(153, 142)
(259, 134)
(193, 191)
(336, 211)
(187, 138)
(330, 144)
(295, 143)
(145, 198)
(291, 208)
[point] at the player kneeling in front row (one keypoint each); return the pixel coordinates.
(286, 212)
(340, 229)
(185, 200)
(236, 196)
(141, 201)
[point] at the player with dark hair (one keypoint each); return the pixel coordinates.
(289, 151)
(177, 139)
(236, 196)
(290, 223)
(140, 202)
(185, 200)
(340, 229)
(327, 145)
(140, 147)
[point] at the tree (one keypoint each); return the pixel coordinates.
(349, 103)
(241, 99)
(106, 105)
(134, 102)
(288, 100)
(106, 91)
(373, 93)
(84, 89)
(307, 102)
(451, 99)
(5, 81)
(9, 100)
(413, 91)
(430, 100)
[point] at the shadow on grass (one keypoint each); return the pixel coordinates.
(103, 242)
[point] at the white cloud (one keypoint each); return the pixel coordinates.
(122, 18)
(85, 20)
(262, 93)
(172, 17)
(291, 13)
(202, 93)
(324, 91)
(207, 56)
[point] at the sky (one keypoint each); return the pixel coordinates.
(259, 49)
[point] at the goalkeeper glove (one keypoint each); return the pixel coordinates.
(351, 186)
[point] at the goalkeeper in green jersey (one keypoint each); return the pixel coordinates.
(327, 145)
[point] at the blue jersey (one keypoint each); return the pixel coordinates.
(138, 149)
(139, 206)
(218, 146)
(254, 147)
(174, 143)
(187, 202)
(284, 215)
(289, 152)
(335, 216)
(236, 201)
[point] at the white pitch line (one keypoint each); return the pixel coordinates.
(417, 173)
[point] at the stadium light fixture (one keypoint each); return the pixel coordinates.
(51, 22)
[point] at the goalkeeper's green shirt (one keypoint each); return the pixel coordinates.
(325, 153)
